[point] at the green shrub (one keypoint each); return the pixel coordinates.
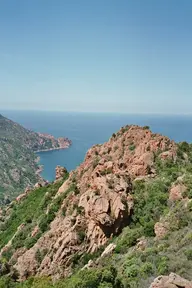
(30, 241)
(7, 254)
(106, 171)
(146, 269)
(64, 211)
(6, 282)
(38, 256)
(190, 194)
(188, 254)
(132, 271)
(46, 220)
(19, 239)
(150, 200)
(128, 239)
(162, 265)
(132, 147)
(124, 129)
(184, 147)
(80, 210)
(76, 190)
(81, 235)
(149, 229)
(29, 208)
(75, 259)
(90, 256)
(95, 162)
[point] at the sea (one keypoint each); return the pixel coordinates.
(87, 129)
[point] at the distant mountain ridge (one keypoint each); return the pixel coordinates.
(18, 162)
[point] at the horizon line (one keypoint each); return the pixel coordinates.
(98, 112)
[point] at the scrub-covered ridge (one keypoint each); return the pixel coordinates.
(18, 162)
(121, 219)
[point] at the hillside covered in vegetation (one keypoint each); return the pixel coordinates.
(121, 219)
(18, 162)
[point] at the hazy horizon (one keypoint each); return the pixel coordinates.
(96, 112)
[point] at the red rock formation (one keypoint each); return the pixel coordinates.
(101, 203)
(60, 172)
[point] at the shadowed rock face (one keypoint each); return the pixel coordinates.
(98, 199)
(171, 281)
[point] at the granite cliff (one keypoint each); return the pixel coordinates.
(18, 162)
(120, 219)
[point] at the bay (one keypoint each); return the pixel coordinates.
(87, 129)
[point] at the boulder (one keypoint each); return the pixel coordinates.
(171, 281)
(176, 192)
(161, 229)
(108, 250)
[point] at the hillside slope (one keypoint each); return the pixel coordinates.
(121, 219)
(18, 162)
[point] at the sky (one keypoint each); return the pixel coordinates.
(129, 56)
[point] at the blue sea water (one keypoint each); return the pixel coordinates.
(87, 129)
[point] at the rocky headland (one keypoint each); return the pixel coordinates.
(56, 144)
(121, 219)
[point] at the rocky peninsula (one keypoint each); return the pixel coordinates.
(56, 144)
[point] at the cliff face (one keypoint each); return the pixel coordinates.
(133, 191)
(18, 162)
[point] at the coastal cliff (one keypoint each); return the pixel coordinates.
(18, 162)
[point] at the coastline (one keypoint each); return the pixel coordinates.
(38, 159)
(39, 167)
(52, 149)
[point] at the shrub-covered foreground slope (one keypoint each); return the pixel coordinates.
(18, 162)
(122, 218)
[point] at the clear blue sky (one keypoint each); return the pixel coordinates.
(96, 55)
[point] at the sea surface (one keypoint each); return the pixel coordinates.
(87, 129)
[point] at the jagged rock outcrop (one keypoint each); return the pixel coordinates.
(97, 200)
(171, 281)
(60, 172)
(41, 183)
